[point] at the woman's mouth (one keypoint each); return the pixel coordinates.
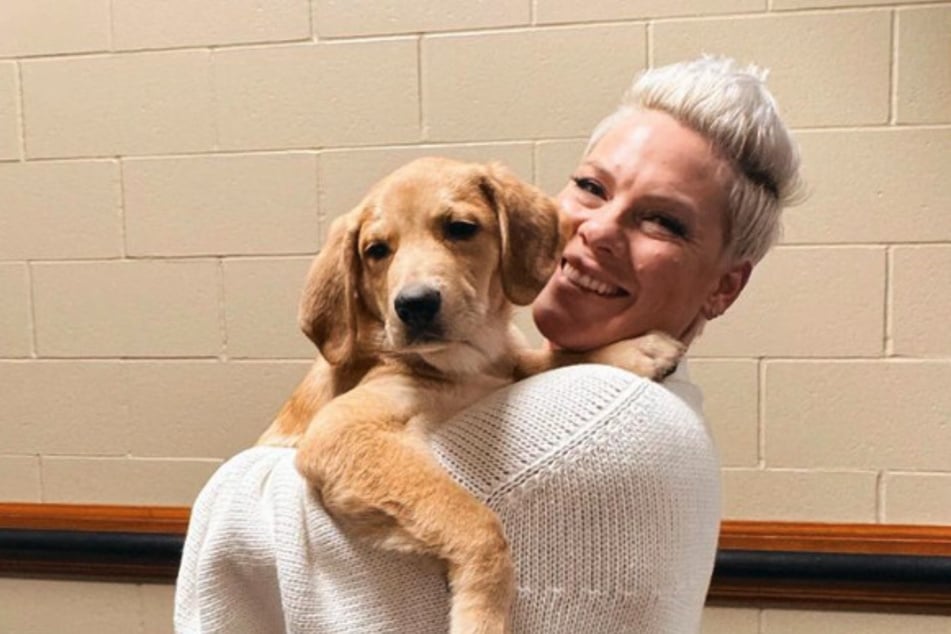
(589, 283)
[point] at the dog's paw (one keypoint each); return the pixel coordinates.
(654, 355)
(662, 351)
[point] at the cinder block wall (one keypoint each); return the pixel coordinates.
(168, 168)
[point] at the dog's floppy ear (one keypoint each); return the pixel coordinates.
(531, 238)
(328, 305)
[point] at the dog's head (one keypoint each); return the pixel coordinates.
(429, 263)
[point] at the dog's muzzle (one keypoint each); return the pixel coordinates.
(417, 306)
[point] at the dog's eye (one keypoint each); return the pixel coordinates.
(460, 229)
(377, 251)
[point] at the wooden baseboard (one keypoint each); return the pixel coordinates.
(172, 520)
(786, 564)
(868, 539)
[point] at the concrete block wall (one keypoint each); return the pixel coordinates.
(167, 169)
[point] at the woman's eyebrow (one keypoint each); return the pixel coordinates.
(602, 172)
(673, 201)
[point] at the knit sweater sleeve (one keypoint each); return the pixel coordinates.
(607, 486)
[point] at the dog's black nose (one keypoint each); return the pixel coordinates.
(417, 305)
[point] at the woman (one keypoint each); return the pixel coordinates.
(607, 484)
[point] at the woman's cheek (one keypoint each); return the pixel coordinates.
(657, 265)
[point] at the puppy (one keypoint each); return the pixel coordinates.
(410, 304)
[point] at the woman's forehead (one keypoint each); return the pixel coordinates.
(649, 155)
(653, 143)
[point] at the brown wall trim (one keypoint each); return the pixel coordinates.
(869, 539)
(786, 564)
(95, 517)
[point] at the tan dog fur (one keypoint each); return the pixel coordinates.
(360, 417)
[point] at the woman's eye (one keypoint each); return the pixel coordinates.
(460, 229)
(669, 224)
(589, 185)
(377, 250)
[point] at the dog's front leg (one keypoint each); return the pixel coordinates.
(382, 483)
(653, 355)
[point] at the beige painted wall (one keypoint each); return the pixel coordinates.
(167, 169)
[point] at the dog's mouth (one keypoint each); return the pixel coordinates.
(429, 338)
(418, 340)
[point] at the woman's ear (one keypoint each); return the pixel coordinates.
(729, 286)
(531, 235)
(328, 307)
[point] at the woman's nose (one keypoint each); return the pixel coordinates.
(602, 234)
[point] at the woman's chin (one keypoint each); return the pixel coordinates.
(559, 328)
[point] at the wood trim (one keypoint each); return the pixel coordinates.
(728, 593)
(869, 539)
(95, 517)
(787, 564)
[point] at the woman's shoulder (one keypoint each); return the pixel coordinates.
(584, 412)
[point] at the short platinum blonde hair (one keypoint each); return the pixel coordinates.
(731, 106)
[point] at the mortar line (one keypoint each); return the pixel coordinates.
(649, 43)
(880, 497)
(123, 229)
(31, 298)
(311, 11)
(112, 25)
(421, 118)
(850, 470)
(212, 76)
(222, 310)
(534, 171)
(21, 112)
(39, 459)
(761, 413)
(893, 70)
(888, 342)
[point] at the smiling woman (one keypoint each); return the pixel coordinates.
(678, 196)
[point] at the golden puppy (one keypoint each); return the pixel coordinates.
(410, 304)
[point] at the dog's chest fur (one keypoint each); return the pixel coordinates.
(433, 396)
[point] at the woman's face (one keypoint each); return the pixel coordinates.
(647, 208)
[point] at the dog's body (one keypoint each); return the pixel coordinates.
(410, 304)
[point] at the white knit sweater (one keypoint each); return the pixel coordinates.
(607, 485)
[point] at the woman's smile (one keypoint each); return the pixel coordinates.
(588, 282)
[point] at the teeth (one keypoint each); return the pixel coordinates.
(588, 282)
